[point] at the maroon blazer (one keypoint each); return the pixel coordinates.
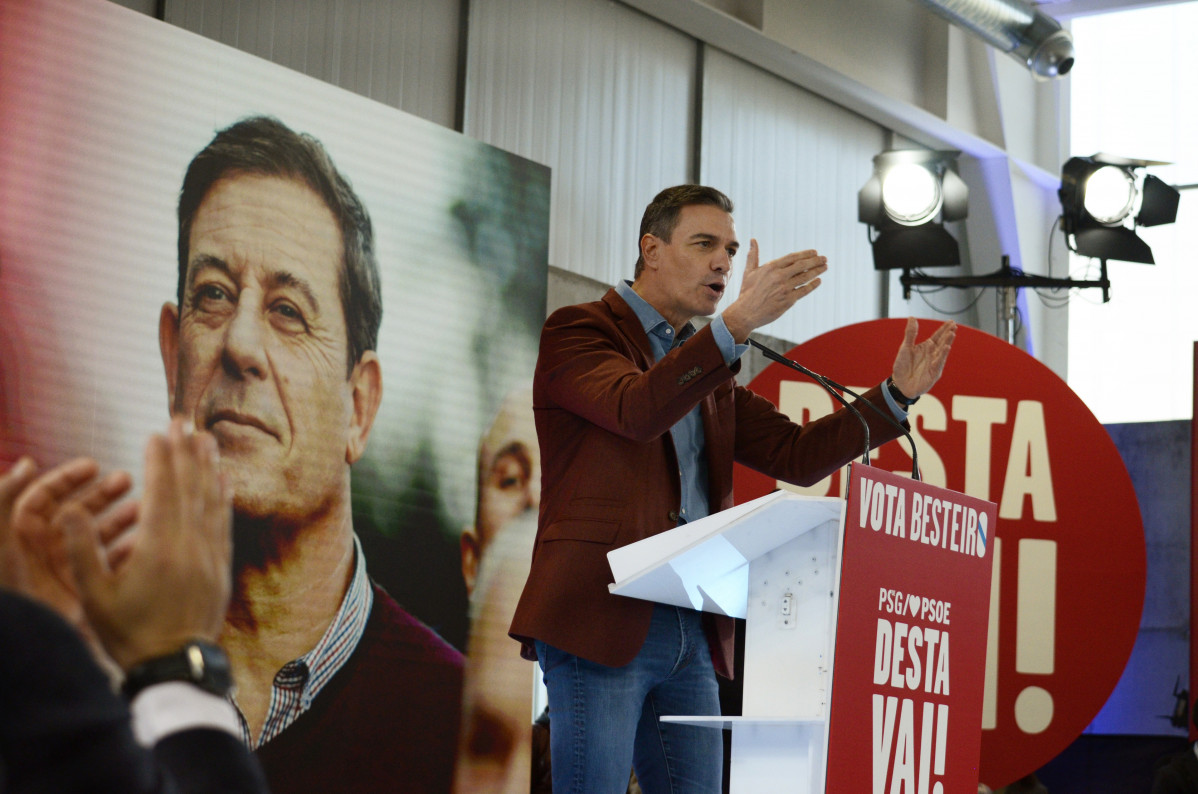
(610, 475)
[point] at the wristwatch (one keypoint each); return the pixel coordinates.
(201, 663)
(898, 396)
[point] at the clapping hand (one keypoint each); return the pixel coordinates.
(33, 555)
(174, 580)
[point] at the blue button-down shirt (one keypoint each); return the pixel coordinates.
(687, 433)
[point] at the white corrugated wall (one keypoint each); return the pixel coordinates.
(792, 163)
(602, 95)
(403, 54)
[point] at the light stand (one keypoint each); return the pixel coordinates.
(1010, 281)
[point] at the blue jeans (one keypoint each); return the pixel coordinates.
(604, 721)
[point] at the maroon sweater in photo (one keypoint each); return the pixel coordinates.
(387, 721)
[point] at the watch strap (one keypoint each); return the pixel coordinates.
(198, 662)
(898, 396)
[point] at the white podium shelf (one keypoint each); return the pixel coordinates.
(775, 562)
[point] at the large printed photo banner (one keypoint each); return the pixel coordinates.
(1069, 556)
(101, 112)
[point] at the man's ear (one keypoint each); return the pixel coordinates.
(470, 555)
(366, 383)
(650, 248)
(168, 346)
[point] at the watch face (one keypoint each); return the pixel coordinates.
(195, 661)
(212, 665)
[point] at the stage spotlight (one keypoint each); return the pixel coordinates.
(1104, 198)
(911, 193)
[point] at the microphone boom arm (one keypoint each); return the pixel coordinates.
(831, 387)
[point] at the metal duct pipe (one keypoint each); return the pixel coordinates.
(1015, 27)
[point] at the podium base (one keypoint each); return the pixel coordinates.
(775, 754)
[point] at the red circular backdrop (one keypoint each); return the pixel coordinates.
(1070, 568)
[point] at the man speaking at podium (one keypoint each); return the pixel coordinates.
(639, 420)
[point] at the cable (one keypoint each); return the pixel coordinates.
(1051, 230)
(822, 381)
(925, 291)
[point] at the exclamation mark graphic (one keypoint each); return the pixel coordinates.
(1035, 630)
(990, 697)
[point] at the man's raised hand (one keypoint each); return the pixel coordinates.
(768, 291)
(917, 367)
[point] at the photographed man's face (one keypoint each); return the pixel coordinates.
(509, 478)
(509, 466)
(259, 355)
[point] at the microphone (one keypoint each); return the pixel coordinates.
(831, 387)
(822, 381)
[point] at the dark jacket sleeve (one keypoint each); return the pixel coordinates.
(769, 442)
(63, 729)
(208, 760)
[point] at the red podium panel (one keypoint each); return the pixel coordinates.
(911, 632)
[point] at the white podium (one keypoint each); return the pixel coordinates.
(849, 607)
(774, 562)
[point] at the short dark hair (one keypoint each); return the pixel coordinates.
(661, 216)
(265, 146)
